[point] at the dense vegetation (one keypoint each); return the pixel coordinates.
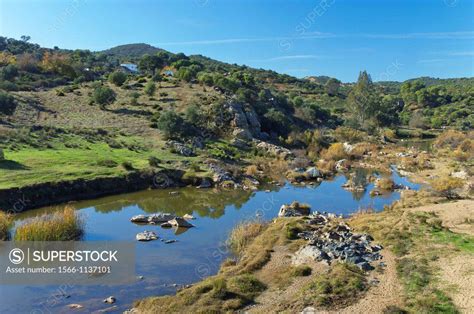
(85, 101)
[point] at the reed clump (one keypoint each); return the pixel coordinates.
(65, 225)
(5, 224)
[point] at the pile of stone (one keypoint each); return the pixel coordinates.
(330, 239)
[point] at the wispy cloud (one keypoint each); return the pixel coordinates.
(461, 53)
(320, 35)
(432, 61)
(314, 35)
(437, 35)
(296, 57)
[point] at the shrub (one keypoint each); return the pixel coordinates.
(386, 184)
(65, 225)
(5, 224)
(103, 95)
(171, 124)
(150, 88)
(154, 162)
(117, 78)
(347, 134)
(446, 186)
(7, 103)
(252, 170)
(450, 139)
(334, 152)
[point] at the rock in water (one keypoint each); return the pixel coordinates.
(139, 219)
(146, 236)
(110, 300)
(161, 217)
(180, 223)
(188, 217)
(75, 306)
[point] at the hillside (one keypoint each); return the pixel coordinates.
(80, 111)
(131, 50)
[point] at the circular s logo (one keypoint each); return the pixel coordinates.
(16, 256)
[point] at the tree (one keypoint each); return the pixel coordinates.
(193, 114)
(171, 124)
(103, 95)
(117, 78)
(150, 88)
(332, 86)
(362, 101)
(149, 63)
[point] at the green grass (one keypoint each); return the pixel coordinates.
(462, 242)
(65, 225)
(31, 166)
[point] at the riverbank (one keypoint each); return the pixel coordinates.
(411, 276)
(20, 199)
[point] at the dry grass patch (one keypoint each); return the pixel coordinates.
(5, 224)
(65, 225)
(339, 287)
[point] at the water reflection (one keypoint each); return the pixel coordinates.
(198, 251)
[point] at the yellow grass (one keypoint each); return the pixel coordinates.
(65, 225)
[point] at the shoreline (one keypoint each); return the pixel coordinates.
(16, 200)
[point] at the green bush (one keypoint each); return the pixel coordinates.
(150, 88)
(7, 103)
(117, 78)
(103, 95)
(171, 124)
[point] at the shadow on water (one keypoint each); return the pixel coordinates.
(198, 251)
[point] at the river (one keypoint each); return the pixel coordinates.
(198, 251)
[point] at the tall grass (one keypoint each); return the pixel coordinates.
(5, 224)
(65, 225)
(243, 234)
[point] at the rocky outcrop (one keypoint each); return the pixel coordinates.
(329, 239)
(244, 120)
(180, 148)
(219, 174)
(274, 150)
(295, 209)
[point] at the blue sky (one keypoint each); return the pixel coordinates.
(393, 40)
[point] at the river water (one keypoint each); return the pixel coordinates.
(198, 251)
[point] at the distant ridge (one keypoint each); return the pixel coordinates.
(132, 50)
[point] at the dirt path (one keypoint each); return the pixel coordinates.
(457, 278)
(387, 292)
(456, 216)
